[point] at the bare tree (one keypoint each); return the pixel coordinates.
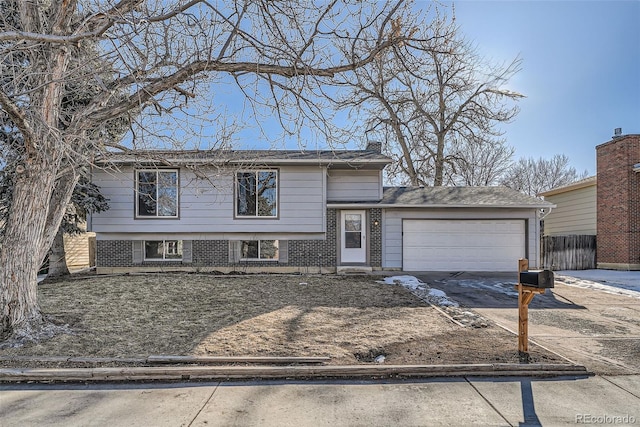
(130, 57)
(479, 162)
(424, 96)
(533, 177)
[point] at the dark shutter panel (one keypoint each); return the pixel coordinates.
(234, 251)
(187, 252)
(138, 251)
(283, 255)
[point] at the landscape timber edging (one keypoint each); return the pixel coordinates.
(187, 373)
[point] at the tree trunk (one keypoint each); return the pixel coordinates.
(20, 253)
(37, 207)
(439, 172)
(406, 153)
(58, 257)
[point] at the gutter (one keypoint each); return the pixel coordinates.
(324, 162)
(439, 206)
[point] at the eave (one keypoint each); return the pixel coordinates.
(372, 205)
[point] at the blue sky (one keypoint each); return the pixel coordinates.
(580, 76)
(581, 70)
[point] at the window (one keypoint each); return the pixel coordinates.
(257, 193)
(259, 250)
(163, 250)
(353, 231)
(157, 193)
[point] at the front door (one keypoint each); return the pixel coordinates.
(354, 237)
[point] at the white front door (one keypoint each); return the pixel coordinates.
(354, 237)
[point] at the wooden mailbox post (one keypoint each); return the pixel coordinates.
(535, 283)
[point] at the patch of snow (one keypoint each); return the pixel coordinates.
(438, 297)
(507, 288)
(624, 280)
(437, 293)
(409, 282)
(615, 288)
(421, 290)
(611, 281)
(380, 359)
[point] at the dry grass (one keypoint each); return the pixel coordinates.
(350, 319)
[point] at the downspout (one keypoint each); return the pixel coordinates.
(89, 218)
(542, 217)
(547, 213)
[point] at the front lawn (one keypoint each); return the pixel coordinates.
(350, 319)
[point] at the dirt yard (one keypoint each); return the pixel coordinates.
(349, 319)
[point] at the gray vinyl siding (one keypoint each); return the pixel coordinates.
(298, 254)
(348, 185)
(206, 204)
(575, 213)
(392, 228)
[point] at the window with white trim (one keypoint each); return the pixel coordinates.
(257, 193)
(157, 193)
(163, 250)
(259, 250)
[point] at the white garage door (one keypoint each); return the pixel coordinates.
(462, 245)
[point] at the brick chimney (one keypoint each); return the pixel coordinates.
(375, 146)
(618, 203)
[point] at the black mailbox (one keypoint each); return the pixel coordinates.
(537, 279)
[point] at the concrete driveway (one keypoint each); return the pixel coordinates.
(595, 326)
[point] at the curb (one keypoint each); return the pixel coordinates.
(221, 373)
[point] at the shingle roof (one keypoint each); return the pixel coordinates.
(471, 197)
(266, 157)
(460, 196)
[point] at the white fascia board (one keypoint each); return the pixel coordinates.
(275, 162)
(439, 206)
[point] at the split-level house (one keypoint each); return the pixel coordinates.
(300, 211)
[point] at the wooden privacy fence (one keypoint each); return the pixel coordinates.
(569, 252)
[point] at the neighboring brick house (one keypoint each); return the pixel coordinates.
(606, 205)
(618, 203)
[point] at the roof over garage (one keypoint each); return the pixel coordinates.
(450, 197)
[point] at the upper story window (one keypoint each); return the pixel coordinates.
(157, 193)
(257, 193)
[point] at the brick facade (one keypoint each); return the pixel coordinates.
(316, 253)
(114, 253)
(304, 255)
(375, 238)
(618, 203)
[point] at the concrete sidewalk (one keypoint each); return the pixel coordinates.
(510, 401)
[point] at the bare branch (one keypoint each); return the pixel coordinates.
(17, 115)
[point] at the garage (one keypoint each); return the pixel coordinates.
(462, 245)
